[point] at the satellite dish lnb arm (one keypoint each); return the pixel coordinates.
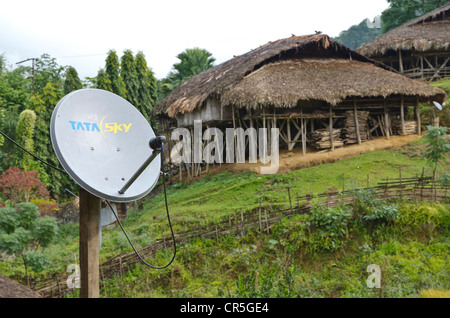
(156, 144)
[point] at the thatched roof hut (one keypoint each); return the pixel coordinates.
(418, 45)
(301, 85)
(286, 71)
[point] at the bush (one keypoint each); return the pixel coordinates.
(330, 226)
(424, 216)
(18, 185)
(22, 231)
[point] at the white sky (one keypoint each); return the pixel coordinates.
(80, 33)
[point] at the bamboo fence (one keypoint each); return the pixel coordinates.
(259, 219)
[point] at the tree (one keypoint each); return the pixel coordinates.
(2, 64)
(147, 92)
(132, 79)
(112, 70)
(71, 82)
(102, 81)
(15, 92)
(128, 75)
(402, 11)
(437, 147)
(23, 231)
(25, 130)
(359, 34)
(19, 185)
(43, 104)
(46, 71)
(192, 62)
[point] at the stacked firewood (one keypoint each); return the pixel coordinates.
(410, 127)
(320, 139)
(349, 135)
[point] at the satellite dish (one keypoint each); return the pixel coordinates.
(102, 140)
(438, 106)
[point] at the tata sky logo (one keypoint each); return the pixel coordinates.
(103, 127)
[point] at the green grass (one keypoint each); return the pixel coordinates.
(443, 84)
(219, 195)
(411, 250)
(290, 262)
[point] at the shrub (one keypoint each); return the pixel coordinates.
(329, 227)
(429, 215)
(19, 185)
(22, 231)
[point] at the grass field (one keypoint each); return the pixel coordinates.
(324, 254)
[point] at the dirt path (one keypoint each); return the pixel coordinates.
(294, 160)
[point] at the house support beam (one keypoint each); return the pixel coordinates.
(417, 111)
(402, 114)
(331, 128)
(400, 61)
(386, 120)
(358, 133)
(303, 130)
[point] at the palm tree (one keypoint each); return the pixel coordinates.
(192, 62)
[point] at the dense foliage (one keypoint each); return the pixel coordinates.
(322, 254)
(28, 95)
(402, 11)
(359, 34)
(131, 78)
(23, 231)
(192, 62)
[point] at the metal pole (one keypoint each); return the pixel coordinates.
(139, 171)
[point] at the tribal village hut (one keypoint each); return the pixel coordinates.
(419, 49)
(317, 92)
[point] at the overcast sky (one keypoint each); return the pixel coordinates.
(80, 33)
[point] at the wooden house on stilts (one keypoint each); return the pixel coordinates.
(418, 49)
(317, 92)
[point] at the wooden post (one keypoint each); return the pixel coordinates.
(290, 202)
(242, 223)
(358, 134)
(267, 223)
(419, 128)
(386, 120)
(302, 128)
(400, 60)
(259, 211)
(421, 67)
(288, 127)
(89, 245)
(236, 220)
(235, 137)
(331, 129)
(402, 114)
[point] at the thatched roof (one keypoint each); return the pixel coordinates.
(426, 33)
(283, 72)
(12, 289)
(284, 83)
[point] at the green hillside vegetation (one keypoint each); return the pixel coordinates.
(444, 115)
(324, 253)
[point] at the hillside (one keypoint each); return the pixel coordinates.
(323, 253)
